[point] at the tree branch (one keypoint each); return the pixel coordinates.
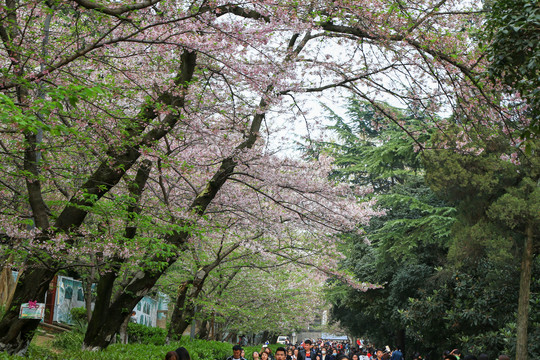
(110, 172)
(115, 11)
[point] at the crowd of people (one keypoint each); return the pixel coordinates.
(321, 350)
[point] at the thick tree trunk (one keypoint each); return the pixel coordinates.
(15, 333)
(218, 336)
(212, 335)
(232, 337)
(102, 337)
(524, 296)
(106, 323)
(265, 336)
(101, 312)
(203, 330)
(107, 319)
(184, 309)
(273, 338)
(179, 318)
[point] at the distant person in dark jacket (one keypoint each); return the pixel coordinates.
(307, 352)
(397, 355)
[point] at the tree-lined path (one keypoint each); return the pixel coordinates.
(143, 138)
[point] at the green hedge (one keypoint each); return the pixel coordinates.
(142, 334)
(71, 343)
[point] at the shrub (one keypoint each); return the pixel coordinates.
(34, 353)
(69, 340)
(142, 334)
(198, 350)
(69, 344)
(78, 315)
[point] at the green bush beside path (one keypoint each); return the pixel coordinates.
(198, 349)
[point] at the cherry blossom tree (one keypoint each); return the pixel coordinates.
(242, 278)
(263, 212)
(267, 299)
(97, 169)
(126, 124)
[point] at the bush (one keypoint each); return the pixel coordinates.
(198, 350)
(34, 352)
(78, 315)
(206, 350)
(69, 340)
(142, 334)
(69, 344)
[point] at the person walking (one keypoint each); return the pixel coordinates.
(280, 354)
(237, 353)
(307, 352)
(324, 355)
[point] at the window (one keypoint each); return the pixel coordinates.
(69, 293)
(80, 295)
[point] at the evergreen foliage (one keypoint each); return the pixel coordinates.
(514, 50)
(448, 247)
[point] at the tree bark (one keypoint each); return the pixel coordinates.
(213, 332)
(203, 330)
(179, 321)
(101, 312)
(124, 339)
(15, 333)
(87, 286)
(7, 284)
(110, 319)
(108, 323)
(265, 336)
(524, 296)
(273, 338)
(184, 309)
